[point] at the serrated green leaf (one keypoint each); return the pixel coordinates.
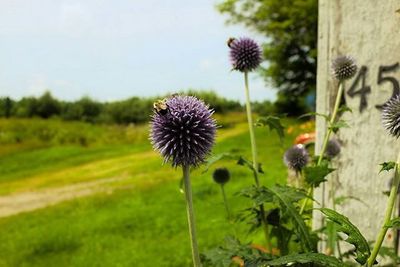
(344, 109)
(326, 117)
(315, 175)
(258, 195)
(316, 258)
(354, 235)
(263, 194)
(337, 125)
(387, 166)
(222, 256)
(245, 162)
(285, 199)
(274, 123)
(394, 223)
(215, 158)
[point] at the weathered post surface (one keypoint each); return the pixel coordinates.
(368, 30)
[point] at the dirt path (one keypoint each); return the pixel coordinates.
(26, 201)
(29, 201)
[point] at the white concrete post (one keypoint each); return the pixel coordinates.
(368, 30)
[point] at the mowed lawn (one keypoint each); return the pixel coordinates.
(139, 219)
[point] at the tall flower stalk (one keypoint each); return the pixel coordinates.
(251, 129)
(221, 176)
(388, 215)
(254, 158)
(190, 216)
(343, 68)
(183, 131)
(245, 57)
(390, 119)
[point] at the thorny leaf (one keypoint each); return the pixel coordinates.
(274, 123)
(387, 166)
(354, 235)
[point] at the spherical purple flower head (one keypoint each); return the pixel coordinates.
(332, 148)
(391, 116)
(296, 157)
(245, 54)
(344, 67)
(185, 134)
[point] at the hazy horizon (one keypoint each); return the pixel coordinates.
(115, 50)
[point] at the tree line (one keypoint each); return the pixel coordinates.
(290, 47)
(131, 110)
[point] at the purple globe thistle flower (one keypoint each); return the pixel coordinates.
(296, 157)
(221, 176)
(332, 148)
(391, 116)
(245, 54)
(184, 133)
(344, 67)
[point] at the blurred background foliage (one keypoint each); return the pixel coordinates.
(130, 111)
(291, 47)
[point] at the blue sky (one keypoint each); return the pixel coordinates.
(112, 50)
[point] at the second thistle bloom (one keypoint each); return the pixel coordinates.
(344, 67)
(245, 54)
(333, 148)
(184, 134)
(391, 116)
(296, 157)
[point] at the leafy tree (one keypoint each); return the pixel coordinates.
(48, 106)
(264, 108)
(6, 105)
(291, 28)
(27, 107)
(216, 102)
(84, 109)
(132, 110)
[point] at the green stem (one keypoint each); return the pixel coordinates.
(228, 212)
(331, 121)
(190, 216)
(388, 214)
(326, 139)
(332, 193)
(251, 129)
(299, 176)
(339, 249)
(303, 206)
(254, 156)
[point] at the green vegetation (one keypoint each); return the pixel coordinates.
(291, 47)
(137, 219)
(131, 110)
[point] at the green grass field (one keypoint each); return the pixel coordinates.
(113, 203)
